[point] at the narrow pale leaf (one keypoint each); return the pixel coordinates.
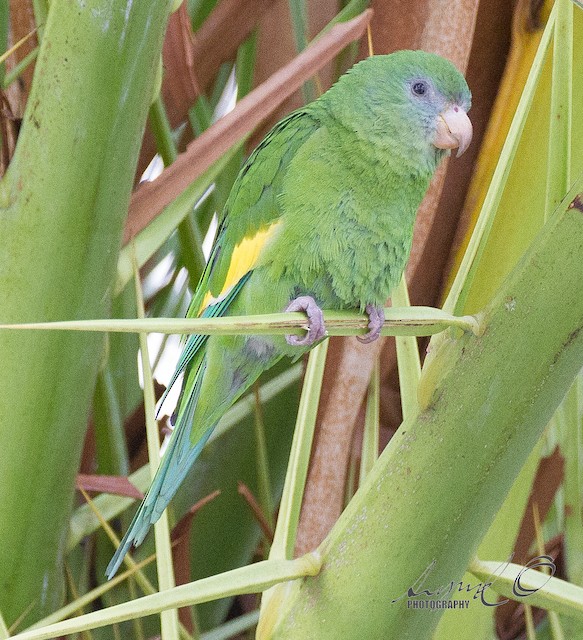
(164, 565)
(420, 321)
(407, 358)
(289, 509)
(370, 438)
(531, 587)
(252, 579)
(462, 283)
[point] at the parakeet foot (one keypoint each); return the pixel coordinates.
(376, 316)
(316, 327)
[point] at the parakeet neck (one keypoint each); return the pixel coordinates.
(398, 144)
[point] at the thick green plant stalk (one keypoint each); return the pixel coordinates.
(63, 204)
(432, 495)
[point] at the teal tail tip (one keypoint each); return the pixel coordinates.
(134, 537)
(118, 556)
(179, 457)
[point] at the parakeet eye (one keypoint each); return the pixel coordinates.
(419, 88)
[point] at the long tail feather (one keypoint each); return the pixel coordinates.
(177, 460)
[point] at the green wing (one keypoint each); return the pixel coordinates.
(252, 207)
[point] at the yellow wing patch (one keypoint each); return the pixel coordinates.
(243, 259)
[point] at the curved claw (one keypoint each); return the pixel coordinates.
(316, 327)
(376, 316)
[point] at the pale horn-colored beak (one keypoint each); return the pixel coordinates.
(454, 130)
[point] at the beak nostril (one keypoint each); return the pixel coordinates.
(456, 109)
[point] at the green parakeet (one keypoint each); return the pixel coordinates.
(320, 217)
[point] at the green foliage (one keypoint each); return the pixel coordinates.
(64, 225)
(453, 481)
(482, 412)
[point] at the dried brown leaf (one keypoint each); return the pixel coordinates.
(9, 126)
(346, 377)
(181, 553)
(429, 265)
(222, 32)
(510, 619)
(397, 24)
(116, 485)
(276, 47)
(191, 61)
(548, 479)
(495, 22)
(256, 510)
(21, 24)
(449, 32)
(182, 527)
(180, 84)
(151, 198)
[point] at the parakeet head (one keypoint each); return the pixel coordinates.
(412, 101)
